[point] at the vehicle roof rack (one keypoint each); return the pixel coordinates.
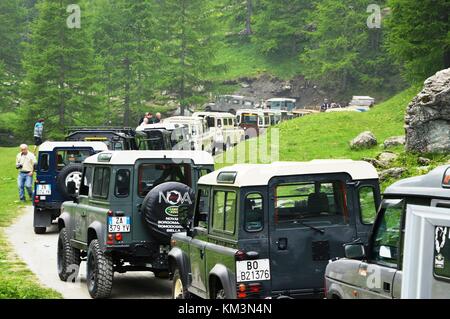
(72, 129)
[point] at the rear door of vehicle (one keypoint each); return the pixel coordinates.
(309, 221)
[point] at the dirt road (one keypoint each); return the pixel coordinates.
(39, 253)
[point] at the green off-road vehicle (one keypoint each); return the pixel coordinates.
(269, 230)
(125, 212)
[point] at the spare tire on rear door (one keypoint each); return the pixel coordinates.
(70, 173)
(160, 209)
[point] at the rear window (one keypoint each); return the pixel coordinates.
(67, 157)
(254, 212)
(320, 202)
(100, 188)
(151, 175)
(224, 211)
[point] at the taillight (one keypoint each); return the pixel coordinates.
(110, 239)
(36, 199)
(110, 213)
(119, 237)
(240, 255)
(252, 290)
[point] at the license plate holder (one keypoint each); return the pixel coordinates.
(43, 189)
(119, 224)
(253, 270)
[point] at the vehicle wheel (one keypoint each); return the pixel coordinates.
(70, 173)
(68, 258)
(179, 289)
(100, 272)
(220, 294)
(40, 230)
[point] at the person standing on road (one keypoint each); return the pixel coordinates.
(38, 133)
(25, 162)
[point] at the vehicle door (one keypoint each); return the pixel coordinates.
(199, 239)
(309, 221)
(80, 208)
(45, 178)
(384, 251)
(367, 203)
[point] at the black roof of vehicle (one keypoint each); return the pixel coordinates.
(119, 131)
(429, 185)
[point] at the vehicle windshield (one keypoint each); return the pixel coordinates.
(151, 175)
(249, 119)
(316, 202)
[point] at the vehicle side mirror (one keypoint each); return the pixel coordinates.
(72, 188)
(184, 216)
(355, 251)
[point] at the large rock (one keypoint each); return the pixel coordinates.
(363, 140)
(386, 158)
(428, 117)
(395, 172)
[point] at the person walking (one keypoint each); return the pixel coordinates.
(25, 162)
(38, 133)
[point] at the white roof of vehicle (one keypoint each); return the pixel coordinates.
(157, 126)
(281, 99)
(183, 119)
(363, 98)
(261, 174)
(130, 157)
(213, 114)
(50, 146)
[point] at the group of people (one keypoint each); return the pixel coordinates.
(327, 105)
(149, 119)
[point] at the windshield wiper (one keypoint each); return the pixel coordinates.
(313, 228)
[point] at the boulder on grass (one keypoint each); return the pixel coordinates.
(395, 172)
(364, 140)
(394, 141)
(386, 158)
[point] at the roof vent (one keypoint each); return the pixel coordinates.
(226, 177)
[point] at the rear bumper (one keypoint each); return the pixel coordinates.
(299, 294)
(48, 205)
(147, 254)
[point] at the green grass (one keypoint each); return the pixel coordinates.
(16, 281)
(327, 136)
(245, 60)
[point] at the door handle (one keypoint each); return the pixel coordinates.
(202, 253)
(83, 214)
(282, 243)
(386, 286)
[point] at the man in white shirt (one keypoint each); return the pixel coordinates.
(25, 162)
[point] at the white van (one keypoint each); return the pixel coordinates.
(199, 136)
(226, 132)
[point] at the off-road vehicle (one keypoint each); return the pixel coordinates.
(162, 136)
(374, 270)
(269, 230)
(125, 213)
(230, 104)
(58, 164)
(116, 138)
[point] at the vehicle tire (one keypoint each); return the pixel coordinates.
(68, 258)
(100, 272)
(69, 173)
(179, 287)
(157, 209)
(40, 230)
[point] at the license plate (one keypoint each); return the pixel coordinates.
(253, 270)
(44, 189)
(119, 224)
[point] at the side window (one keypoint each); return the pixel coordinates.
(367, 204)
(100, 186)
(122, 186)
(386, 245)
(219, 122)
(86, 181)
(202, 211)
(44, 162)
(224, 211)
(254, 212)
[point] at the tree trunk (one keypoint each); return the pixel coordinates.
(182, 92)
(248, 20)
(126, 104)
(61, 80)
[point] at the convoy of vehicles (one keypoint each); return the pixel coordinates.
(125, 212)
(269, 230)
(374, 269)
(58, 164)
(226, 131)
